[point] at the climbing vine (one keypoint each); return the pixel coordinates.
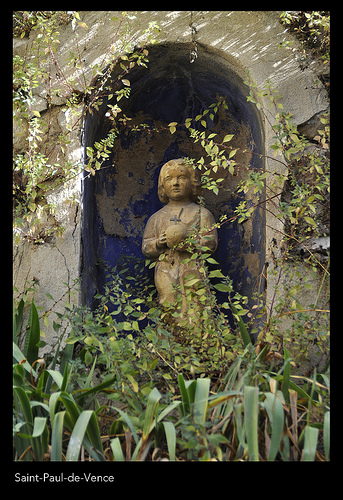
(40, 164)
(298, 195)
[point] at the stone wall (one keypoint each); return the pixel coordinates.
(242, 40)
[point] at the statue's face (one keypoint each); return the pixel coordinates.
(177, 183)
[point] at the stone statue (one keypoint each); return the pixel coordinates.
(166, 232)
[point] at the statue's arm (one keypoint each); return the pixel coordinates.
(151, 245)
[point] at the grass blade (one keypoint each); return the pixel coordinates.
(185, 408)
(117, 451)
(202, 390)
(86, 431)
(57, 377)
(57, 437)
(108, 381)
(275, 412)
(153, 400)
(310, 444)
(149, 424)
(19, 356)
(92, 441)
(294, 412)
(250, 401)
(33, 336)
(73, 410)
(77, 436)
(242, 328)
(170, 433)
(24, 404)
(39, 438)
(127, 419)
(17, 320)
(327, 435)
(286, 376)
(167, 410)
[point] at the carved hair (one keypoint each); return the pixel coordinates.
(196, 184)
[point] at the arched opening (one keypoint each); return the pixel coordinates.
(120, 198)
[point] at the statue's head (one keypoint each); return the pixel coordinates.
(179, 165)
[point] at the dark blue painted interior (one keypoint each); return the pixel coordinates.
(171, 89)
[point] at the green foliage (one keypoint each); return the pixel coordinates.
(312, 28)
(255, 413)
(35, 172)
(39, 420)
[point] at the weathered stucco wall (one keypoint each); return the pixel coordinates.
(244, 40)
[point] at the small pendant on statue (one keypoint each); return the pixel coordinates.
(176, 219)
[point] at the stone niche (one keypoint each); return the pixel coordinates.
(120, 198)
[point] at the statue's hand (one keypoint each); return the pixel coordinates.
(162, 241)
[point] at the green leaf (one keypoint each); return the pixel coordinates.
(19, 356)
(192, 282)
(116, 450)
(311, 221)
(88, 357)
(250, 402)
(77, 436)
(326, 433)
(185, 408)
(222, 288)
(54, 403)
(17, 320)
(172, 127)
(242, 312)
(126, 82)
(57, 437)
(128, 421)
(216, 274)
(170, 433)
(242, 328)
(168, 410)
(310, 444)
(73, 411)
(286, 376)
(33, 336)
(39, 438)
(227, 138)
(86, 431)
(153, 400)
(211, 261)
(202, 390)
(57, 376)
(275, 412)
(25, 406)
(133, 382)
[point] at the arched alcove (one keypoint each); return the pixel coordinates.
(120, 198)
